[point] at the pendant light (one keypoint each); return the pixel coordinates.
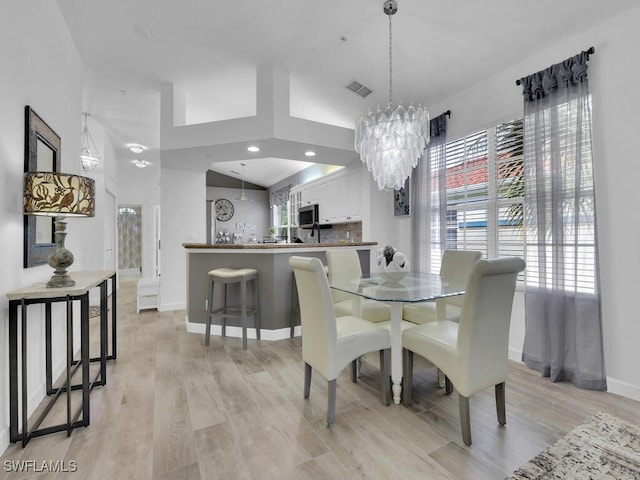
(243, 195)
(89, 155)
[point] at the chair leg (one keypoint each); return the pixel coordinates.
(243, 312)
(465, 421)
(224, 312)
(331, 402)
(256, 309)
(207, 333)
(354, 371)
(448, 386)
(307, 379)
(294, 303)
(407, 377)
(501, 403)
(385, 378)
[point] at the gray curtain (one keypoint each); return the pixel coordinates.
(563, 336)
(428, 200)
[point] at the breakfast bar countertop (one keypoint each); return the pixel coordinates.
(269, 246)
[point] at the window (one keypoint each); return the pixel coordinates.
(561, 235)
(280, 220)
(484, 193)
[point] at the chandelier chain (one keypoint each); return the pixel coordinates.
(390, 65)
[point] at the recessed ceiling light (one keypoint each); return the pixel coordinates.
(140, 163)
(135, 148)
(310, 153)
(253, 148)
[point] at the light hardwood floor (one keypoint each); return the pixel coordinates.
(174, 409)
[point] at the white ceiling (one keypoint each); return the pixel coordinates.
(210, 48)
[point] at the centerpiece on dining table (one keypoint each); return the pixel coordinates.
(392, 264)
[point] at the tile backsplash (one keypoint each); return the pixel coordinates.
(349, 232)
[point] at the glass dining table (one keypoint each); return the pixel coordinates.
(414, 288)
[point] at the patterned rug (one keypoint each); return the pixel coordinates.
(604, 447)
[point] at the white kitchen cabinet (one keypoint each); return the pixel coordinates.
(309, 195)
(353, 195)
(329, 201)
(339, 197)
(295, 199)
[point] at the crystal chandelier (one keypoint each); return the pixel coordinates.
(89, 155)
(392, 141)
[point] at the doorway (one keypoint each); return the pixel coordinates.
(129, 240)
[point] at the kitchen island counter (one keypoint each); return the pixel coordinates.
(275, 281)
(268, 246)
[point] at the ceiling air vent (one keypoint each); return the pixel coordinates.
(359, 89)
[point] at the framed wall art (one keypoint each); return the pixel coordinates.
(401, 200)
(42, 148)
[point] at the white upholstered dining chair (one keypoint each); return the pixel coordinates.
(343, 266)
(472, 353)
(330, 343)
(455, 268)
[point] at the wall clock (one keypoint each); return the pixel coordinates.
(224, 209)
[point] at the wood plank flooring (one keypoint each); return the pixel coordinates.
(174, 409)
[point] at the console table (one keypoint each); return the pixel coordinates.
(38, 293)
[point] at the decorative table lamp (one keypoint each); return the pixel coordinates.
(59, 195)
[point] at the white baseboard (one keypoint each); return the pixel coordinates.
(515, 355)
(169, 307)
(236, 332)
(623, 388)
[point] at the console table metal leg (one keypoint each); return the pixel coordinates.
(47, 335)
(25, 407)
(69, 363)
(84, 356)
(104, 332)
(113, 319)
(13, 371)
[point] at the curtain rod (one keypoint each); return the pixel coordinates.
(448, 113)
(588, 52)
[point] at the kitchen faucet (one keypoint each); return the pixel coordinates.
(313, 227)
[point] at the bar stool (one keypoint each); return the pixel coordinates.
(227, 276)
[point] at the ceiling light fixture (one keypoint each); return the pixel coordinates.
(310, 153)
(253, 148)
(140, 163)
(89, 155)
(135, 148)
(392, 141)
(243, 195)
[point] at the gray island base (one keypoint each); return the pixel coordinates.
(275, 283)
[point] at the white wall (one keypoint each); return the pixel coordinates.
(41, 70)
(614, 86)
(255, 213)
(183, 218)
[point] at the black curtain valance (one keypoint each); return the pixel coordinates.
(565, 74)
(438, 125)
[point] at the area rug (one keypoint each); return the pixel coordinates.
(604, 447)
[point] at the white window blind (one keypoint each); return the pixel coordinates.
(485, 192)
(569, 239)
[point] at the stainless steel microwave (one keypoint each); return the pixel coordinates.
(308, 215)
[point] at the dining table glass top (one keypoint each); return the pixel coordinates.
(415, 287)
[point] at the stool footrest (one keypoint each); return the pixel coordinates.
(236, 312)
